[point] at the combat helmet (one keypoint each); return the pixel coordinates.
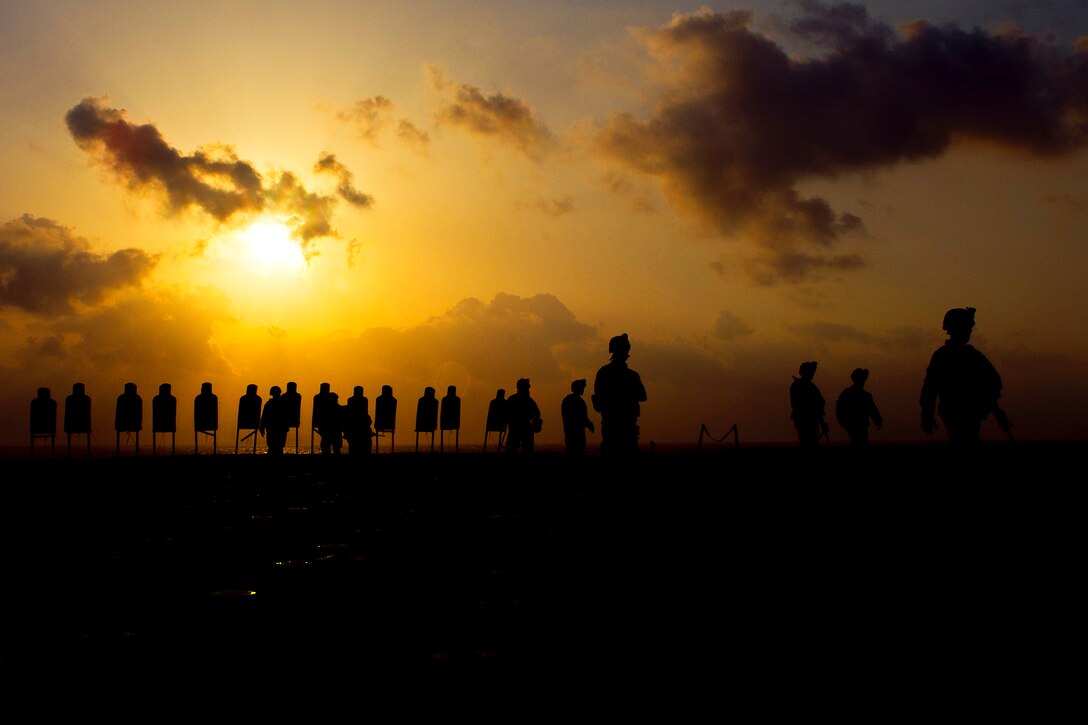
(959, 318)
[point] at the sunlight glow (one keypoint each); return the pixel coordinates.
(270, 249)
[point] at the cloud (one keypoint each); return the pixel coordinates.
(329, 165)
(371, 116)
(413, 136)
(497, 116)
(739, 122)
(499, 341)
(552, 207)
(45, 269)
(145, 335)
(212, 179)
(834, 332)
(368, 116)
(729, 327)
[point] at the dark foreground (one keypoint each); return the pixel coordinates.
(762, 574)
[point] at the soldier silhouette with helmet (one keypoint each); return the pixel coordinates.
(275, 421)
(575, 414)
(855, 408)
(807, 406)
(523, 420)
(617, 394)
(961, 385)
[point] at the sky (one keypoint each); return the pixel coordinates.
(439, 194)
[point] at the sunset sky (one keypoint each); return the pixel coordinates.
(421, 193)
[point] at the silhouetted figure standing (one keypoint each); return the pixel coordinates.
(357, 422)
(961, 385)
(496, 418)
(129, 415)
(292, 403)
(523, 420)
(855, 408)
(43, 419)
(617, 394)
(332, 425)
(206, 415)
(576, 420)
(164, 416)
(249, 415)
(274, 422)
(385, 415)
(317, 414)
(77, 415)
(807, 407)
(427, 415)
(450, 418)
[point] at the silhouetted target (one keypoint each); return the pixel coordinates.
(43, 420)
(205, 417)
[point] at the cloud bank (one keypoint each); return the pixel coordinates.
(46, 270)
(739, 122)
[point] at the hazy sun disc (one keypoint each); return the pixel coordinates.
(271, 249)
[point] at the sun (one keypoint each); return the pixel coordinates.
(270, 249)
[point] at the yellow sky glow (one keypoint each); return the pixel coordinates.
(261, 192)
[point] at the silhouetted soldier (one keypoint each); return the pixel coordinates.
(576, 420)
(523, 420)
(292, 403)
(43, 420)
(496, 418)
(450, 418)
(129, 415)
(274, 420)
(385, 415)
(807, 407)
(249, 415)
(855, 408)
(332, 425)
(164, 416)
(77, 415)
(318, 412)
(617, 394)
(427, 415)
(206, 415)
(961, 384)
(357, 422)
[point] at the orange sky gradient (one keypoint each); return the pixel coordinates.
(431, 194)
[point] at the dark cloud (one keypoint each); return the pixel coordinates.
(498, 116)
(45, 269)
(740, 122)
(328, 164)
(213, 179)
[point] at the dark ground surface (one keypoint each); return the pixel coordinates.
(901, 577)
